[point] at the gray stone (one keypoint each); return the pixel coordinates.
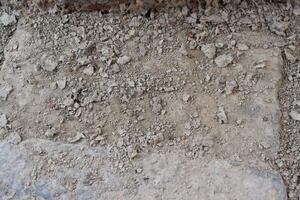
(209, 50)
(295, 115)
(224, 60)
(5, 90)
(89, 70)
(3, 121)
(7, 19)
(48, 62)
(242, 47)
(123, 60)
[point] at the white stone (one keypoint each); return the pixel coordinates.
(242, 47)
(295, 115)
(89, 70)
(123, 60)
(296, 11)
(61, 84)
(48, 62)
(3, 121)
(7, 19)
(5, 90)
(224, 60)
(209, 50)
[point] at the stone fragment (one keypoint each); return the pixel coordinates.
(183, 50)
(134, 22)
(222, 117)
(48, 62)
(5, 90)
(224, 60)
(156, 105)
(50, 133)
(61, 84)
(14, 138)
(230, 86)
(77, 138)
(123, 60)
(289, 56)
(296, 11)
(209, 50)
(186, 97)
(295, 115)
(132, 151)
(242, 47)
(89, 70)
(7, 19)
(3, 121)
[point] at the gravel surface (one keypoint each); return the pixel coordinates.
(126, 92)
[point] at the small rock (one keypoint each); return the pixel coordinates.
(68, 101)
(5, 90)
(296, 11)
(116, 68)
(230, 86)
(14, 138)
(289, 56)
(61, 84)
(183, 50)
(3, 121)
(48, 62)
(123, 60)
(132, 151)
(222, 117)
(77, 138)
(156, 105)
(224, 60)
(89, 70)
(7, 19)
(186, 97)
(209, 50)
(295, 115)
(134, 22)
(242, 47)
(51, 133)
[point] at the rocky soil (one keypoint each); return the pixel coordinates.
(175, 104)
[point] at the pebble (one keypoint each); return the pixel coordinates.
(242, 47)
(222, 117)
(61, 84)
(230, 86)
(209, 50)
(132, 151)
(123, 60)
(295, 115)
(7, 19)
(5, 90)
(183, 50)
(224, 60)
(156, 105)
(3, 121)
(116, 68)
(186, 97)
(48, 62)
(77, 138)
(289, 56)
(50, 133)
(134, 22)
(89, 70)
(14, 138)
(296, 11)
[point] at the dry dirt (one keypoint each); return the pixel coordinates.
(166, 105)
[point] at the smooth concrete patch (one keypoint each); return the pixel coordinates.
(48, 170)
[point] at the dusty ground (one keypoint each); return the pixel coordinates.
(170, 105)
